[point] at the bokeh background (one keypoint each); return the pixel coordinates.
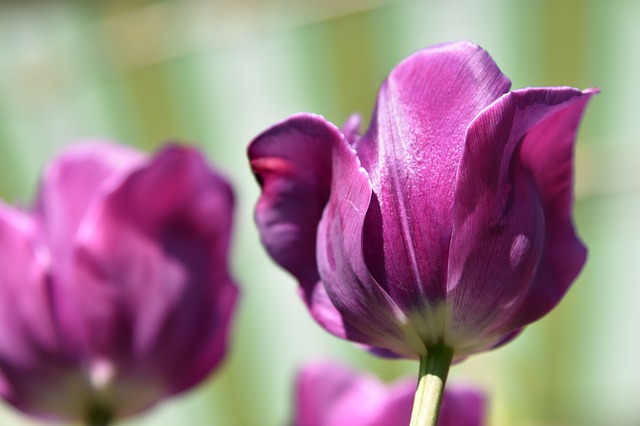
(216, 73)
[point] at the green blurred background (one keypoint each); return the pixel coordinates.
(216, 73)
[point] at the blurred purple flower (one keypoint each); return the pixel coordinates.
(114, 289)
(329, 394)
(447, 222)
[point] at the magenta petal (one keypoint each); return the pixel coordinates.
(370, 316)
(324, 312)
(72, 183)
(31, 355)
(397, 405)
(154, 260)
(179, 204)
(412, 151)
(319, 389)
(351, 129)
(329, 394)
(506, 217)
(547, 152)
(462, 406)
(26, 310)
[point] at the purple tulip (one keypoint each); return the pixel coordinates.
(114, 288)
(329, 394)
(448, 222)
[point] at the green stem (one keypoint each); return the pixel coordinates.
(98, 416)
(434, 368)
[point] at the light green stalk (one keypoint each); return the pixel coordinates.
(434, 368)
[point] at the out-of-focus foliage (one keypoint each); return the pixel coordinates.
(216, 73)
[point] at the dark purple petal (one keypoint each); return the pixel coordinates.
(502, 222)
(292, 162)
(411, 152)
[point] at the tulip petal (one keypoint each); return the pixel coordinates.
(351, 129)
(321, 388)
(179, 203)
(462, 406)
(396, 408)
(32, 357)
(152, 272)
(504, 220)
(369, 314)
(547, 152)
(292, 162)
(411, 151)
(71, 183)
(26, 308)
(329, 394)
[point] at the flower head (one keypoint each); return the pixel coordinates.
(114, 288)
(329, 394)
(447, 222)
